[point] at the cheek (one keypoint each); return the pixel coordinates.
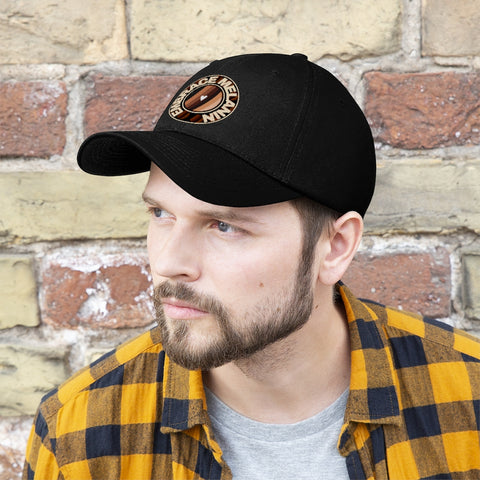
(254, 275)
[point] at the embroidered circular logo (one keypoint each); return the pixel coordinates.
(207, 100)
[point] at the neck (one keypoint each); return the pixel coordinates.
(294, 378)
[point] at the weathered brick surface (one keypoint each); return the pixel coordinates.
(418, 282)
(11, 463)
(425, 196)
(70, 205)
(471, 284)
(18, 291)
(13, 440)
(115, 294)
(450, 27)
(32, 118)
(192, 31)
(62, 31)
(28, 373)
(128, 103)
(13, 436)
(424, 110)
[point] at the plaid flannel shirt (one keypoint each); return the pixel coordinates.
(413, 410)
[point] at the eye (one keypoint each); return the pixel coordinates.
(158, 212)
(225, 227)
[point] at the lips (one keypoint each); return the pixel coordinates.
(177, 309)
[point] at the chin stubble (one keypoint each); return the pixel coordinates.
(274, 319)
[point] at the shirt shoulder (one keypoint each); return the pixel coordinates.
(415, 395)
(138, 361)
(405, 328)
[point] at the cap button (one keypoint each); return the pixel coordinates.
(301, 55)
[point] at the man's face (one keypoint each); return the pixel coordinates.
(227, 280)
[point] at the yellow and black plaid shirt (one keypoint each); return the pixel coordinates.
(413, 411)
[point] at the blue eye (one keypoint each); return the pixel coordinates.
(158, 212)
(225, 227)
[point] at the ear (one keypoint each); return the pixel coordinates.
(338, 249)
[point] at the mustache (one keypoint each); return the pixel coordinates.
(182, 291)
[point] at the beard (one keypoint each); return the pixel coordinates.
(273, 319)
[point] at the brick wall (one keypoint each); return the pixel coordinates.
(74, 277)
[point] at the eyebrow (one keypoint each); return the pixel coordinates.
(149, 200)
(229, 214)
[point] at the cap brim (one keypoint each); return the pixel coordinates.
(205, 171)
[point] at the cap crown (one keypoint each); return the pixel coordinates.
(290, 119)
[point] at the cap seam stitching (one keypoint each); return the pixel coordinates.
(286, 171)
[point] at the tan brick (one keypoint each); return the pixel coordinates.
(18, 292)
(114, 294)
(68, 205)
(424, 110)
(28, 373)
(418, 282)
(193, 31)
(471, 284)
(32, 118)
(56, 31)
(450, 28)
(425, 196)
(94, 353)
(128, 103)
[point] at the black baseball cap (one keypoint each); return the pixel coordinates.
(252, 130)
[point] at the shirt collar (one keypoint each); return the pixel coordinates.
(373, 381)
(184, 403)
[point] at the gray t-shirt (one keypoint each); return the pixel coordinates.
(306, 450)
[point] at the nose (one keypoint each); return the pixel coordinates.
(174, 253)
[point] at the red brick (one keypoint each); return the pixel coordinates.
(114, 296)
(128, 103)
(418, 282)
(32, 119)
(432, 110)
(65, 291)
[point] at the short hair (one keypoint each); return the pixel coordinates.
(315, 219)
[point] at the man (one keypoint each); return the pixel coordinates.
(263, 364)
